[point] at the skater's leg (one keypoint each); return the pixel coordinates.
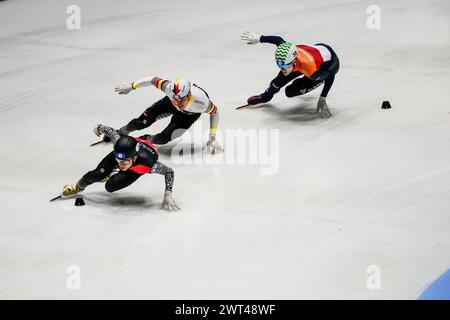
(301, 86)
(179, 123)
(275, 85)
(103, 170)
(158, 110)
(121, 180)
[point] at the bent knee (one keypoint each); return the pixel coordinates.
(110, 187)
(293, 92)
(97, 174)
(161, 138)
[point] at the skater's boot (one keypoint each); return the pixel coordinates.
(70, 189)
(260, 98)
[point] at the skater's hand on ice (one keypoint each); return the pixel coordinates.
(322, 108)
(213, 146)
(124, 88)
(250, 38)
(168, 202)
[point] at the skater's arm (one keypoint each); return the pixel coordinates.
(159, 83)
(213, 122)
(272, 39)
(149, 81)
(168, 202)
(142, 83)
(213, 146)
(253, 38)
(125, 88)
(167, 172)
(213, 119)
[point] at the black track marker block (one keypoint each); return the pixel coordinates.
(79, 202)
(386, 105)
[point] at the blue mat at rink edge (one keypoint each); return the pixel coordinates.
(439, 289)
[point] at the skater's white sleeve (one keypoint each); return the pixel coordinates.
(213, 119)
(160, 83)
(142, 83)
(155, 81)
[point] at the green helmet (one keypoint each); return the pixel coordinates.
(285, 54)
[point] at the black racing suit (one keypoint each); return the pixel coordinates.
(147, 157)
(181, 121)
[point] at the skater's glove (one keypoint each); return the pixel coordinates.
(213, 146)
(122, 132)
(101, 129)
(322, 108)
(109, 134)
(124, 88)
(168, 203)
(250, 38)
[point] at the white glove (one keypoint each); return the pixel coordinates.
(124, 88)
(213, 146)
(168, 203)
(322, 107)
(251, 38)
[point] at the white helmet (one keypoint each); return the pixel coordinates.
(179, 88)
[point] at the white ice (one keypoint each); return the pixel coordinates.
(366, 187)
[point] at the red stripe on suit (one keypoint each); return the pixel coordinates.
(318, 60)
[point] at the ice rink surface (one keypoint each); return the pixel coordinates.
(366, 187)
